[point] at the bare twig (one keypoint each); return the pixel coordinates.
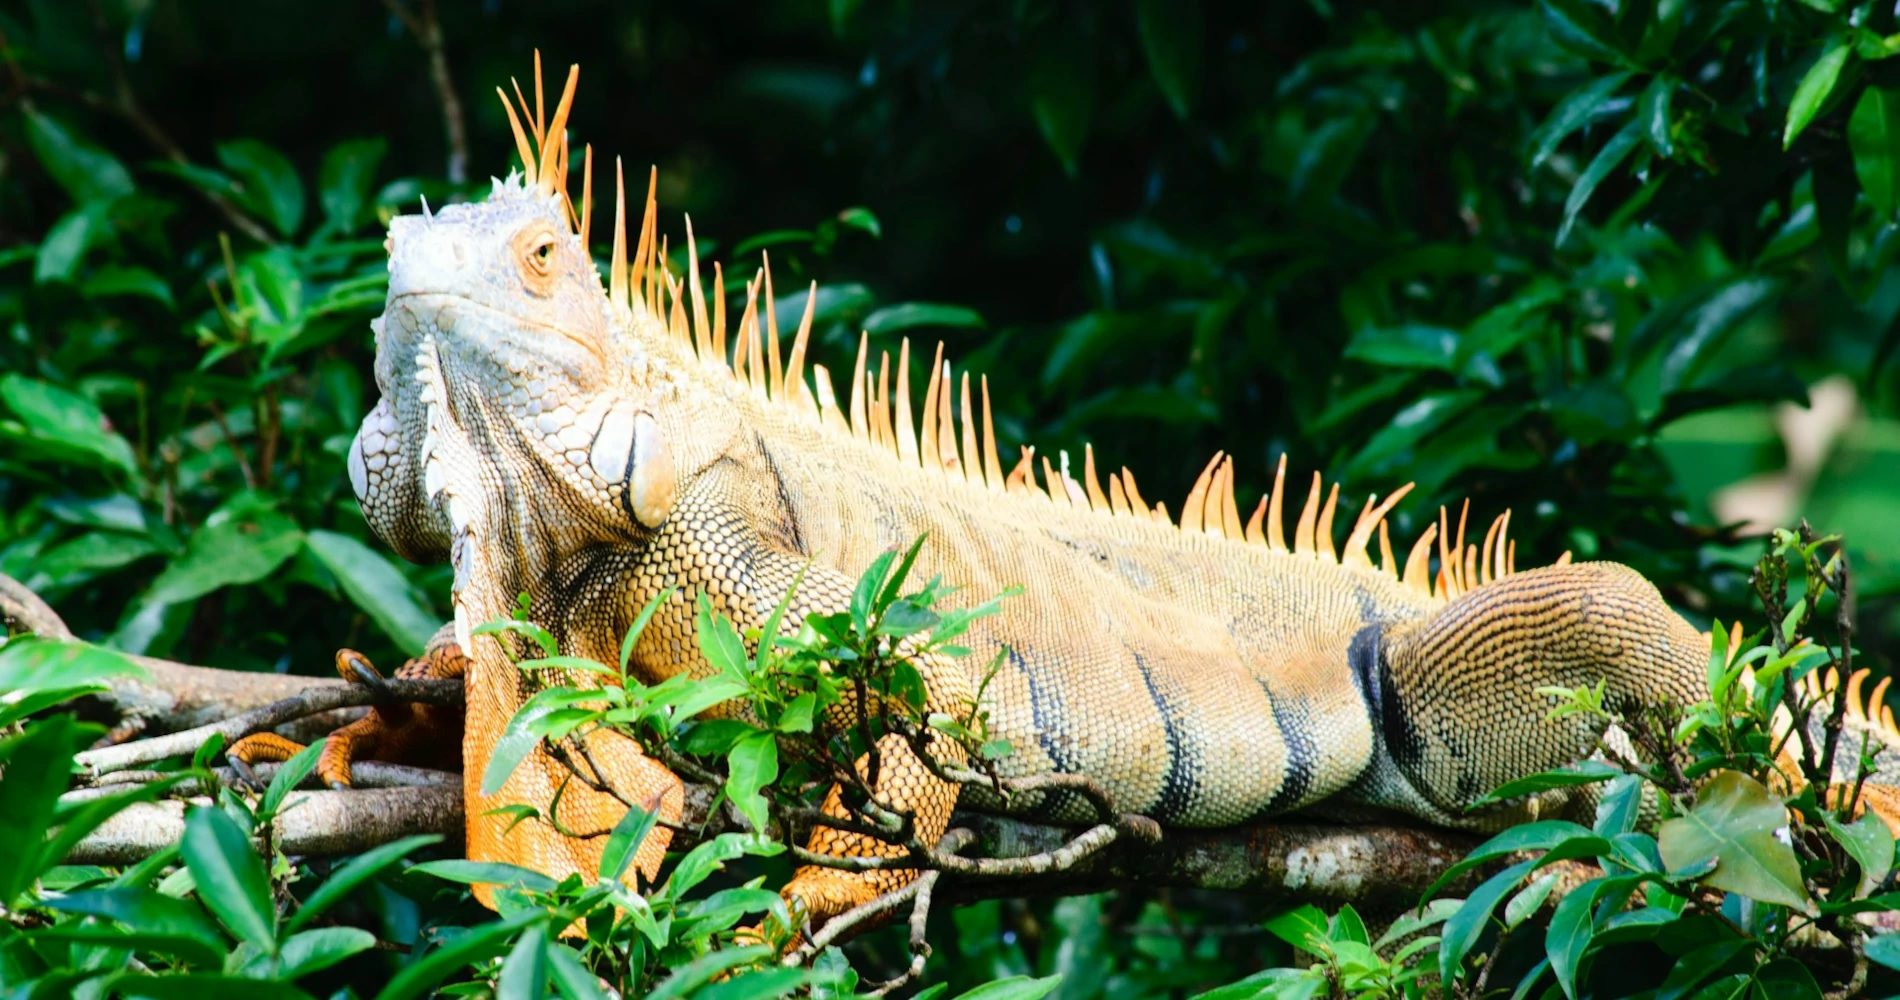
(427, 28)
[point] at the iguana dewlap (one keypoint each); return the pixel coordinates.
(591, 445)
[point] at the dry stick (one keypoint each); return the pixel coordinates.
(363, 774)
(318, 823)
(842, 924)
(447, 693)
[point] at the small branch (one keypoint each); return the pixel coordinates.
(427, 29)
(363, 774)
(310, 702)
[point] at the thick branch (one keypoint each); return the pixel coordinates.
(172, 696)
(321, 823)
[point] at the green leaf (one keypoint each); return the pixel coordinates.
(751, 765)
(230, 876)
(1583, 772)
(1526, 903)
(1303, 927)
(696, 973)
(1653, 112)
(719, 641)
(68, 424)
(1410, 346)
(481, 942)
(1709, 326)
(1578, 108)
(1868, 841)
(1734, 820)
(174, 926)
(1873, 134)
(571, 978)
(1062, 95)
(519, 737)
(1619, 806)
(1173, 34)
(227, 551)
(1583, 28)
(639, 625)
(128, 281)
(67, 243)
(759, 985)
(1884, 949)
(486, 873)
(1542, 835)
(198, 986)
(862, 219)
(1014, 988)
(524, 973)
(353, 873)
(269, 184)
(1814, 89)
(87, 172)
(909, 315)
(377, 587)
(344, 182)
(1463, 928)
(34, 768)
(625, 841)
(1620, 146)
(30, 663)
(289, 775)
(315, 950)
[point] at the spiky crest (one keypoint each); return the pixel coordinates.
(944, 439)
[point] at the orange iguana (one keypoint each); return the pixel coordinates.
(592, 446)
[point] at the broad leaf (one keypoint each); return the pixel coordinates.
(1736, 820)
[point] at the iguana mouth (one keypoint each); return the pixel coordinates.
(443, 300)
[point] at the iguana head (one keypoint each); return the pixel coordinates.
(499, 353)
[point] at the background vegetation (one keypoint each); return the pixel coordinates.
(1573, 258)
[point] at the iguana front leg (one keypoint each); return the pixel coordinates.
(417, 734)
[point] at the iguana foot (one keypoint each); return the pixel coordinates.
(418, 734)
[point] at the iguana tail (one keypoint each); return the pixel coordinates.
(1457, 691)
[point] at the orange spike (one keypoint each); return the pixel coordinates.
(1309, 515)
(1211, 521)
(755, 357)
(1418, 563)
(1471, 567)
(795, 368)
(1323, 535)
(739, 351)
(947, 425)
(719, 314)
(1362, 530)
(521, 138)
(992, 466)
(540, 108)
(881, 414)
(1117, 497)
(1058, 491)
(587, 195)
(927, 424)
(906, 437)
(972, 458)
(774, 374)
(1485, 561)
(1136, 505)
(644, 248)
(1563, 560)
(1191, 509)
(554, 144)
(1022, 477)
(1097, 499)
(617, 267)
(1501, 567)
(665, 279)
(828, 400)
(1276, 517)
(1387, 564)
(860, 421)
(680, 327)
(1856, 704)
(1874, 706)
(1447, 566)
(1230, 513)
(1161, 513)
(702, 332)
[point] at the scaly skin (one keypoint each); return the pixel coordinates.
(584, 447)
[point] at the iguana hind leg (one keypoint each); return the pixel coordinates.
(422, 735)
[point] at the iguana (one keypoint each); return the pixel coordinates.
(593, 445)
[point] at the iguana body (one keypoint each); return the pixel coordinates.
(591, 446)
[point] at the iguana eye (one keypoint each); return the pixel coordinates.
(535, 250)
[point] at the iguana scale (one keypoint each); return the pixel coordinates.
(592, 446)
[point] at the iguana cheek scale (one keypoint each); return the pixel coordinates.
(591, 447)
